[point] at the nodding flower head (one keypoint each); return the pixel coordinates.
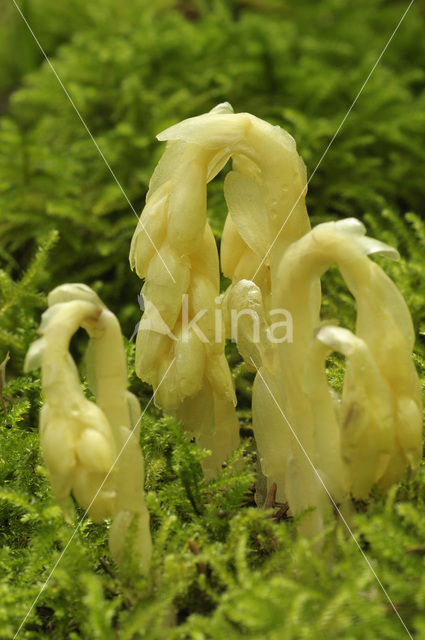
(91, 449)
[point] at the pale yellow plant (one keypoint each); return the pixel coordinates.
(198, 387)
(374, 431)
(91, 449)
(261, 191)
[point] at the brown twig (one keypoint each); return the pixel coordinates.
(107, 568)
(281, 512)
(193, 547)
(271, 497)
(270, 503)
(419, 549)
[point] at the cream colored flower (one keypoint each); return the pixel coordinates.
(373, 433)
(261, 191)
(91, 449)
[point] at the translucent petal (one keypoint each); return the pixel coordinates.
(247, 210)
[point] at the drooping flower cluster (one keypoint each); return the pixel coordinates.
(91, 449)
(198, 386)
(180, 346)
(370, 434)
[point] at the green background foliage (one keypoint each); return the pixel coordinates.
(133, 69)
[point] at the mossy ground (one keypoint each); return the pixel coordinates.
(222, 568)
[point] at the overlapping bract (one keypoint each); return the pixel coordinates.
(91, 449)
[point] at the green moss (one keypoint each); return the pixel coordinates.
(133, 69)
